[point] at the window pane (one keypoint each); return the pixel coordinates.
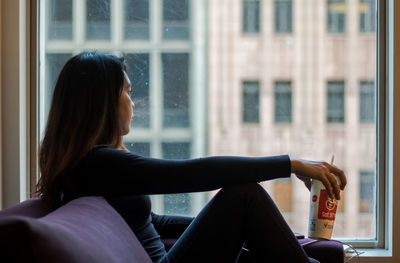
(60, 26)
(283, 16)
(139, 148)
(367, 15)
(136, 19)
(335, 111)
(98, 20)
(176, 19)
(177, 203)
(138, 72)
(251, 16)
(336, 16)
(251, 98)
(283, 194)
(176, 89)
(283, 101)
(54, 64)
(367, 102)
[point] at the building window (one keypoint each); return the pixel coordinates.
(98, 20)
(251, 102)
(136, 19)
(176, 19)
(367, 15)
(138, 71)
(336, 16)
(139, 148)
(335, 105)
(283, 194)
(367, 102)
(367, 191)
(283, 102)
(251, 16)
(283, 16)
(176, 89)
(60, 20)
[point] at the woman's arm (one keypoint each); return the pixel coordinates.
(108, 171)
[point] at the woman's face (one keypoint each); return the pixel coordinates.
(125, 106)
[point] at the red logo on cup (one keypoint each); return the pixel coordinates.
(326, 206)
(314, 198)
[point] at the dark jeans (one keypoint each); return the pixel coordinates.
(236, 215)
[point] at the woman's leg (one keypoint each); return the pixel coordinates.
(238, 214)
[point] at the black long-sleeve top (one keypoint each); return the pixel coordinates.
(125, 179)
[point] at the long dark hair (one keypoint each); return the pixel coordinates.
(83, 113)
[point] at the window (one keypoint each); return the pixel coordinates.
(139, 72)
(367, 102)
(283, 102)
(136, 19)
(98, 20)
(336, 16)
(176, 89)
(283, 16)
(60, 24)
(176, 19)
(139, 148)
(367, 16)
(367, 191)
(251, 16)
(335, 106)
(251, 102)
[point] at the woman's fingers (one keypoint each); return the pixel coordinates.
(336, 171)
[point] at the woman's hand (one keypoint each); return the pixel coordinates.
(326, 173)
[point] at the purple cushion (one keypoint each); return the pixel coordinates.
(33, 207)
(325, 251)
(85, 230)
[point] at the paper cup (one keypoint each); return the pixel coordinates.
(322, 212)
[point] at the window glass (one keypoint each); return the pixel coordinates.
(367, 102)
(336, 16)
(283, 16)
(176, 19)
(251, 16)
(283, 101)
(251, 101)
(139, 148)
(98, 20)
(136, 19)
(60, 16)
(198, 82)
(138, 72)
(367, 15)
(176, 89)
(335, 106)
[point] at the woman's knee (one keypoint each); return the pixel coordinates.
(247, 189)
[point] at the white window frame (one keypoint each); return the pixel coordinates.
(18, 137)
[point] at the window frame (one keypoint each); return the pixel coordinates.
(19, 134)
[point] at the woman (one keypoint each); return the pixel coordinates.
(82, 154)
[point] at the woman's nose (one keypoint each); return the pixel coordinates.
(133, 105)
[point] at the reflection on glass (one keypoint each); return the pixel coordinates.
(98, 20)
(136, 19)
(177, 203)
(283, 101)
(60, 20)
(138, 72)
(176, 89)
(367, 191)
(283, 16)
(335, 106)
(336, 16)
(251, 101)
(139, 148)
(251, 16)
(54, 64)
(176, 20)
